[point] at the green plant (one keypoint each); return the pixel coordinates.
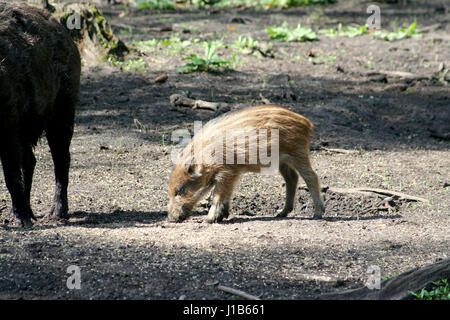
(438, 290)
(385, 177)
(129, 65)
(348, 31)
(272, 3)
(135, 65)
(330, 59)
(351, 31)
(389, 276)
(173, 45)
(113, 61)
(209, 62)
(295, 3)
(155, 4)
(126, 31)
(216, 43)
(245, 43)
(401, 33)
(146, 45)
(283, 33)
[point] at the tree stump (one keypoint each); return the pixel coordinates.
(88, 28)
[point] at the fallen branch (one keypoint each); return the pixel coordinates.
(337, 150)
(238, 292)
(264, 100)
(380, 75)
(397, 288)
(178, 100)
(400, 195)
(314, 277)
(370, 191)
(400, 74)
(200, 104)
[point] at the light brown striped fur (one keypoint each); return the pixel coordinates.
(192, 177)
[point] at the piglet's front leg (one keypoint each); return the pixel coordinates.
(219, 210)
(223, 190)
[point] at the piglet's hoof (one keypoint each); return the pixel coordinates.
(317, 216)
(282, 213)
(214, 219)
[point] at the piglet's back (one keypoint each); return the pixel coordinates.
(293, 128)
(264, 116)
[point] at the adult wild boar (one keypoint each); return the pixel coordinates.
(236, 143)
(39, 88)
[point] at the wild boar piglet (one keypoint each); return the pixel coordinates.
(267, 139)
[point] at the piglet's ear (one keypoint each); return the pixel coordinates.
(194, 171)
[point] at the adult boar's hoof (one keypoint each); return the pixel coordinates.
(23, 222)
(58, 212)
(21, 219)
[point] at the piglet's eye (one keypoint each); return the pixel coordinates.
(180, 190)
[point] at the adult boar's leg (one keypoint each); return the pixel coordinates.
(13, 158)
(59, 136)
(29, 163)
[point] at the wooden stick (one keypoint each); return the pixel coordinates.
(337, 150)
(314, 277)
(264, 99)
(401, 195)
(179, 100)
(370, 191)
(238, 292)
(398, 74)
(200, 104)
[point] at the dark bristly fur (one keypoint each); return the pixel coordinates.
(39, 88)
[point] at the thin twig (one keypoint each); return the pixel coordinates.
(264, 99)
(337, 150)
(368, 191)
(401, 195)
(238, 292)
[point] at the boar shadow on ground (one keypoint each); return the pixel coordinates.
(116, 219)
(238, 219)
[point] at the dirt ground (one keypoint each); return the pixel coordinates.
(117, 234)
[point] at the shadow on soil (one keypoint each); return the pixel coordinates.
(237, 219)
(113, 220)
(111, 269)
(369, 118)
(126, 219)
(116, 219)
(146, 273)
